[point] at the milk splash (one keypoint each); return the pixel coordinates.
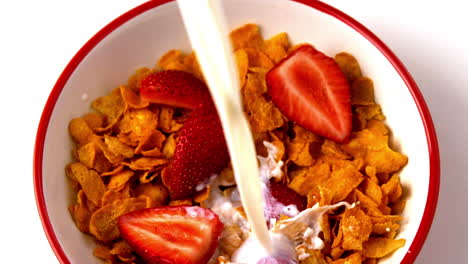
(299, 231)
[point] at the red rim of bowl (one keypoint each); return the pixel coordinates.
(434, 179)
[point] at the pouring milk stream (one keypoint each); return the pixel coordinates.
(208, 33)
(204, 22)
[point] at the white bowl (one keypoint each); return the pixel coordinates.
(143, 34)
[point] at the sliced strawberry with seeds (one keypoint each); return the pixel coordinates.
(172, 234)
(201, 151)
(287, 196)
(310, 89)
(175, 88)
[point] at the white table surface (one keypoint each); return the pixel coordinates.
(38, 38)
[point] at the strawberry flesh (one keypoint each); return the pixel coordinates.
(310, 89)
(201, 151)
(172, 234)
(175, 88)
(287, 196)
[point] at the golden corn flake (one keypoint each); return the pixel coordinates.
(299, 153)
(115, 170)
(132, 99)
(392, 189)
(119, 180)
(355, 258)
(256, 58)
(253, 89)
(181, 202)
(385, 228)
(362, 91)
(80, 131)
(153, 140)
(276, 47)
(146, 163)
(314, 256)
(89, 180)
(103, 253)
(95, 121)
(342, 182)
(169, 146)
(117, 148)
(246, 36)
(372, 190)
(149, 175)
(111, 196)
(377, 127)
(333, 149)
(266, 116)
(357, 227)
(370, 112)
(348, 65)
(226, 177)
(375, 152)
(80, 212)
(242, 61)
(87, 154)
(231, 239)
(398, 207)
(166, 122)
(103, 223)
(336, 252)
(138, 123)
(370, 261)
(191, 62)
(304, 135)
(307, 180)
(173, 60)
(378, 247)
(111, 105)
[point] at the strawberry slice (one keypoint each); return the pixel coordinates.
(310, 89)
(175, 88)
(287, 196)
(201, 151)
(172, 234)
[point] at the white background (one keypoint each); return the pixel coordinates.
(38, 38)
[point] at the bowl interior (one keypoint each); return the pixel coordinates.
(144, 38)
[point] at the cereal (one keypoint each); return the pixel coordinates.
(349, 65)
(89, 180)
(111, 105)
(103, 222)
(357, 227)
(378, 247)
(124, 147)
(246, 36)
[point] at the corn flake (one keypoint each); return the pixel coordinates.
(103, 223)
(357, 227)
(348, 65)
(378, 247)
(246, 36)
(89, 180)
(111, 105)
(132, 99)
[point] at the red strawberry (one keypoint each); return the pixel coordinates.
(287, 196)
(310, 89)
(172, 234)
(201, 151)
(174, 88)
